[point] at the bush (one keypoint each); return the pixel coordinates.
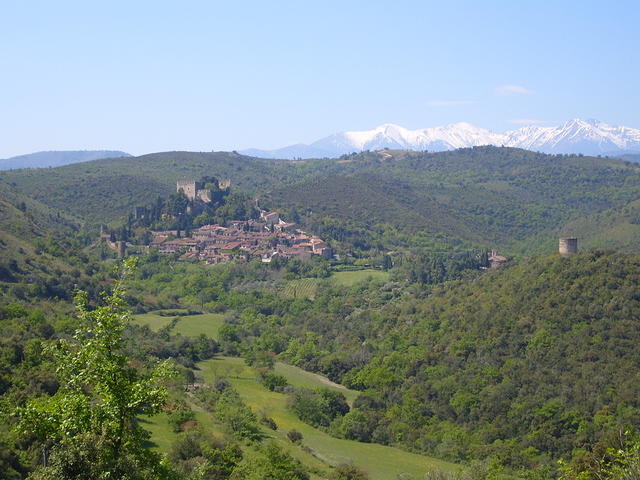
(274, 382)
(268, 422)
(348, 472)
(239, 420)
(179, 413)
(294, 436)
(318, 407)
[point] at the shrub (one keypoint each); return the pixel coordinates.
(274, 382)
(294, 436)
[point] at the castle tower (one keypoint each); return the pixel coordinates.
(568, 245)
(189, 188)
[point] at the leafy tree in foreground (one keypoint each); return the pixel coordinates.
(90, 423)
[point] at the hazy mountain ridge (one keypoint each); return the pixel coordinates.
(589, 137)
(57, 158)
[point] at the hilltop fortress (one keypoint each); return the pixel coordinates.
(267, 237)
(193, 189)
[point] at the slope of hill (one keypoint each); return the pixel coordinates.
(490, 196)
(494, 196)
(39, 252)
(106, 190)
(57, 158)
(525, 364)
(590, 137)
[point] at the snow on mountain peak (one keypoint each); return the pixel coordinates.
(590, 137)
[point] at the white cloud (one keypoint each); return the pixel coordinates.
(513, 90)
(449, 103)
(526, 121)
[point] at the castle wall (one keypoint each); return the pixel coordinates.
(204, 195)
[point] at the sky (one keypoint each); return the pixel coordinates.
(149, 76)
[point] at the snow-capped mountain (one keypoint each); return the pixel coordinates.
(589, 137)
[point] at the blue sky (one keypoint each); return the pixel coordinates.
(153, 76)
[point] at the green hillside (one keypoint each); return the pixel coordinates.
(526, 364)
(489, 196)
(105, 190)
(380, 462)
(483, 196)
(40, 253)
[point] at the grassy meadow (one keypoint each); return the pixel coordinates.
(351, 277)
(187, 325)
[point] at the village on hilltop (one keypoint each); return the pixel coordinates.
(267, 238)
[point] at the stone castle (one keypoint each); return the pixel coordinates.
(193, 189)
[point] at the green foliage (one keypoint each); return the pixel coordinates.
(199, 457)
(178, 414)
(294, 436)
(348, 472)
(615, 458)
(273, 463)
(318, 407)
(368, 202)
(274, 382)
(521, 365)
(99, 398)
(240, 421)
(438, 201)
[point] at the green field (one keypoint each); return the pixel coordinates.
(349, 278)
(151, 319)
(194, 325)
(381, 462)
(188, 325)
(307, 287)
(301, 378)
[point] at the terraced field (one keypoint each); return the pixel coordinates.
(302, 288)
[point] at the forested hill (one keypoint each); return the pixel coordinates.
(513, 199)
(526, 364)
(517, 200)
(106, 190)
(40, 249)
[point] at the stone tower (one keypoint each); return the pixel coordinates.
(189, 187)
(568, 245)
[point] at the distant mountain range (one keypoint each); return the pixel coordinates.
(57, 158)
(589, 137)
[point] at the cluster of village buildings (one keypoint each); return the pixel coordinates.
(267, 238)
